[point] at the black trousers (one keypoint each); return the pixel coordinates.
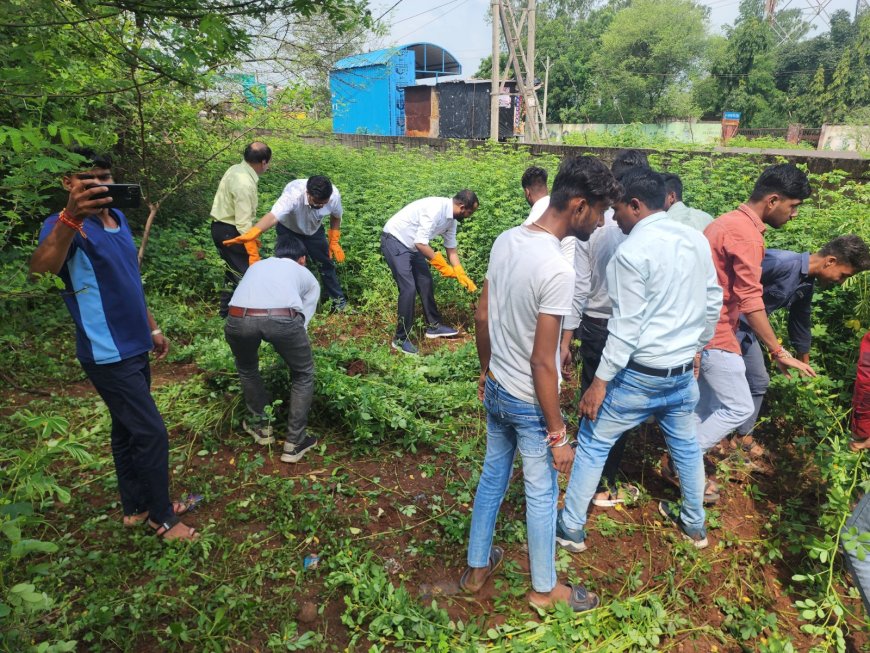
(318, 249)
(592, 338)
(140, 443)
(236, 258)
(411, 272)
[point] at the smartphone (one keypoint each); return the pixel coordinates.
(124, 196)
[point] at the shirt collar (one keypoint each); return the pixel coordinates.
(677, 205)
(650, 219)
(247, 168)
(805, 264)
(753, 216)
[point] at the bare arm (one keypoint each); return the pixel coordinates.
(481, 337)
(761, 326)
(452, 256)
(267, 222)
(545, 378)
(335, 221)
(52, 252)
(425, 250)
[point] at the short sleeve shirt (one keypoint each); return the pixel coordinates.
(294, 212)
(527, 276)
(103, 292)
(423, 220)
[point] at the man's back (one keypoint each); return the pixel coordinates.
(665, 295)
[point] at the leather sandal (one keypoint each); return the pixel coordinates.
(496, 555)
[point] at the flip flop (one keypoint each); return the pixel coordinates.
(580, 600)
(626, 494)
(189, 502)
(496, 555)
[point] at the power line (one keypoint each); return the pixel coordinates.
(439, 17)
(397, 3)
(402, 20)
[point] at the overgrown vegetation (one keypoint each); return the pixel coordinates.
(385, 499)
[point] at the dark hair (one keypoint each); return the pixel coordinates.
(534, 177)
(257, 152)
(850, 250)
(626, 159)
(466, 198)
(645, 185)
(586, 177)
(319, 187)
(291, 248)
(673, 184)
(96, 160)
(782, 179)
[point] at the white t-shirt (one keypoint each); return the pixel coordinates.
(278, 283)
(538, 209)
(568, 244)
(527, 276)
(423, 220)
(294, 212)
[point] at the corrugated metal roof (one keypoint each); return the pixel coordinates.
(430, 60)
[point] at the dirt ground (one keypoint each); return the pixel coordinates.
(743, 516)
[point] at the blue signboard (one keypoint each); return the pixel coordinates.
(731, 115)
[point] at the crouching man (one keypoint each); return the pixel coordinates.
(274, 302)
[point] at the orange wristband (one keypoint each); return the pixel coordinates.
(72, 223)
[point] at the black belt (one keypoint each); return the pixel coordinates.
(600, 321)
(238, 311)
(656, 371)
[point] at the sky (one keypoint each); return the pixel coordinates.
(462, 27)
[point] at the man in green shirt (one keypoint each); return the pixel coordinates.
(233, 212)
(678, 211)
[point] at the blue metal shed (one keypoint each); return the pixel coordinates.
(368, 90)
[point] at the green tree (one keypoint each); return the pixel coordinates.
(646, 61)
(742, 73)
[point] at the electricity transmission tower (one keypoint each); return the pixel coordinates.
(813, 9)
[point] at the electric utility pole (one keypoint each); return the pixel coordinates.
(521, 62)
(496, 64)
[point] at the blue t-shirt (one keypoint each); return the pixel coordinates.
(104, 292)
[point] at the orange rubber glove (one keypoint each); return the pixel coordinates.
(335, 250)
(253, 250)
(464, 279)
(442, 266)
(250, 235)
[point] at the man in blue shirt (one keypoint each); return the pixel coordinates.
(91, 248)
(789, 280)
(666, 300)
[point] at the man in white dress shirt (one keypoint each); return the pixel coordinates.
(666, 299)
(534, 182)
(405, 246)
(299, 215)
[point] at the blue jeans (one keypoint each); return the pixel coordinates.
(512, 424)
(860, 569)
(631, 398)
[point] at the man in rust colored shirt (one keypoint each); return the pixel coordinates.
(737, 246)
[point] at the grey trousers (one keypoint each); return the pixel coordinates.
(756, 376)
(411, 273)
(289, 338)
